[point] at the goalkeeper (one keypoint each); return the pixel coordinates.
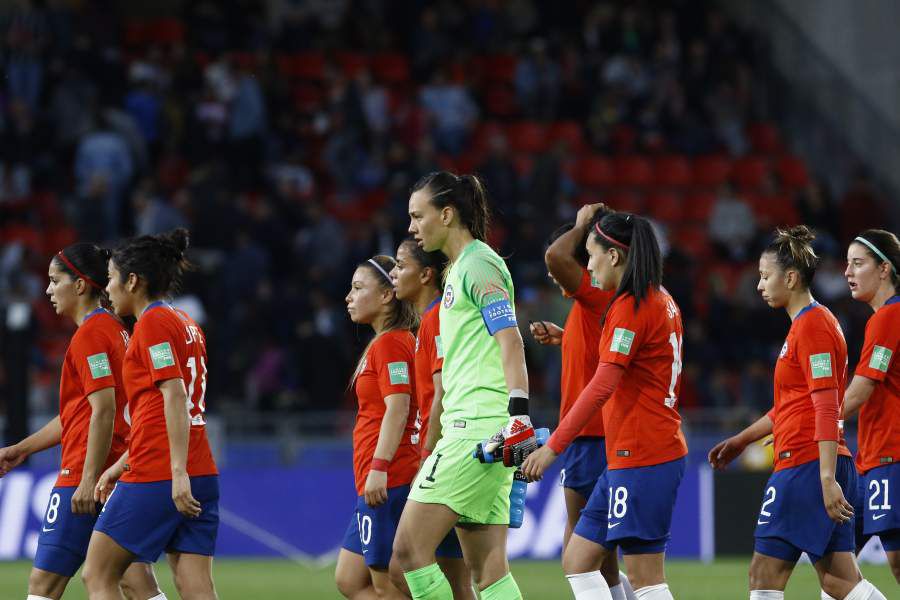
(485, 392)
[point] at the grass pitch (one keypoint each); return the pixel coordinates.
(538, 580)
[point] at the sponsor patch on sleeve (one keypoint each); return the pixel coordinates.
(161, 355)
(820, 364)
(881, 359)
(439, 346)
(622, 340)
(398, 373)
(99, 365)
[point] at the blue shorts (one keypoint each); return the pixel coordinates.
(881, 505)
(371, 530)
(583, 463)
(793, 519)
(142, 518)
(632, 508)
(63, 542)
(859, 514)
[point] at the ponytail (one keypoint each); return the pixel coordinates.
(883, 246)
(465, 193)
(633, 237)
(793, 250)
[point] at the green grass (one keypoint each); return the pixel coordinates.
(262, 580)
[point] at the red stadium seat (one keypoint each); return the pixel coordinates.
(765, 138)
(665, 207)
(527, 136)
(634, 171)
(624, 139)
(698, 207)
(626, 201)
(308, 65)
(750, 172)
(593, 171)
(484, 131)
(587, 198)
(307, 97)
(166, 31)
(691, 240)
(352, 63)
(500, 68)
(773, 210)
(500, 101)
(136, 33)
(711, 171)
(570, 132)
(391, 67)
(672, 171)
(792, 171)
(523, 164)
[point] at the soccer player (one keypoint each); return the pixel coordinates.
(385, 456)
(636, 382)
(417, 279)
(90, 426)
(804, 506)
(873, 264)
(485, 389)
(584, 461)
(167, 495)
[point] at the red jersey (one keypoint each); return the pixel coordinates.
(814, 357)
(643, 426)
(93, 362)
(581, 348)
(385, 371)
(879, 417)
(167, 344)
(428, 361)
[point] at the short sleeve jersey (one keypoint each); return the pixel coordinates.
(813, 358)
(580, 348)
(879, 417)
(93, 362)
(643, 427)
(386, 370)
(429, 360)
(478, 302)
(166, 344)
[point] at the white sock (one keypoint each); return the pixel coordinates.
(654, 592)
(618, 592)
(766, 595)
(825, 596)
(161, 596)
(33, 597)
(589, 586)
(864, 591)
(626, 587)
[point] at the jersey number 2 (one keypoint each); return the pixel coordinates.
(675, 341)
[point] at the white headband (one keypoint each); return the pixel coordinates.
(872, 247)
(380, 269)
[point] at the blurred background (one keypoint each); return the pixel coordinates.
(286, 134)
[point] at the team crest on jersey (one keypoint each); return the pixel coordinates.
(783, 350)
(449, 297)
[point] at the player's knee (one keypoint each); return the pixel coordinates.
(39, 584)
(403, 553)
(574, 562)
(194, 586)
(895, 565)
(347, 584)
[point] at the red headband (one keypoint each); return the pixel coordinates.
(75, 270)
(609, 239)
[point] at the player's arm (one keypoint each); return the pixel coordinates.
(178, 429)
(100, 434)
(859, 392)
(727, 450)
(107, 481)
(560, 256)
(434, 417)
(46, 437)
(393, 424)
(826, 405)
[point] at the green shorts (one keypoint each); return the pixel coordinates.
(478, 493)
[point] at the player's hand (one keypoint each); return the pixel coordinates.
(538, 462)
(83, 502)
(546, 333)
(10, 458)
(106, 483)
(518, 440)
(839, 510)
(725, 451)
(587, 212)
(182, 496)
(375, 492)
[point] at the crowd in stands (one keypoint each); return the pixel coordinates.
(286, 136)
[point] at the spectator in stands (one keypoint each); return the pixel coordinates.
(451, 110)
(538, 79)
(732, 224)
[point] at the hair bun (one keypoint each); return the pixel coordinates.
(178, 238)
(801, 233)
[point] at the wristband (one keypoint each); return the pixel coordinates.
(379, 464)
(517, 404)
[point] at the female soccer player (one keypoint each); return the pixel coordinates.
(584, 461)
(485, 389)
(167, 498)
(804, 507)
(639, 372)
(873, 272)
(385, 457)
(417, 279)
(90, 426)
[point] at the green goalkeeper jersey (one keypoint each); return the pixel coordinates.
(478, 302)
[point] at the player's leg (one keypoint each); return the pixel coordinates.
(769, 573)
(419, 533)
(192, 574)
(104, 567)
(45, 584)
(484, 547)
(384, 587)
(581, 563)
(618, 582)
(575, 502)
(352, 577)
(193, 543)
(894, 562)
(459, 576)
(139, 583)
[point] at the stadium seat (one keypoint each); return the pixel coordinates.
(570, 132)
(166, 31)
(672, 171)
(527, 136)
(697, 208)
(624, 139)
(765, 138)
(484, 131)
(523, 164)
(136, 33)
(692, 240)
(307, 97)
(500, 101)
(351, 63)
(500, 68)
(773, 210)
(711, 171)
(632, 171)
(391, 67)
(593, 171)
(626, 201)
(665, 207)
(750, 172)
(792, 171)
(308, 65)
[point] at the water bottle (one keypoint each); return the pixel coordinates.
(520, 486)
(490, 452)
